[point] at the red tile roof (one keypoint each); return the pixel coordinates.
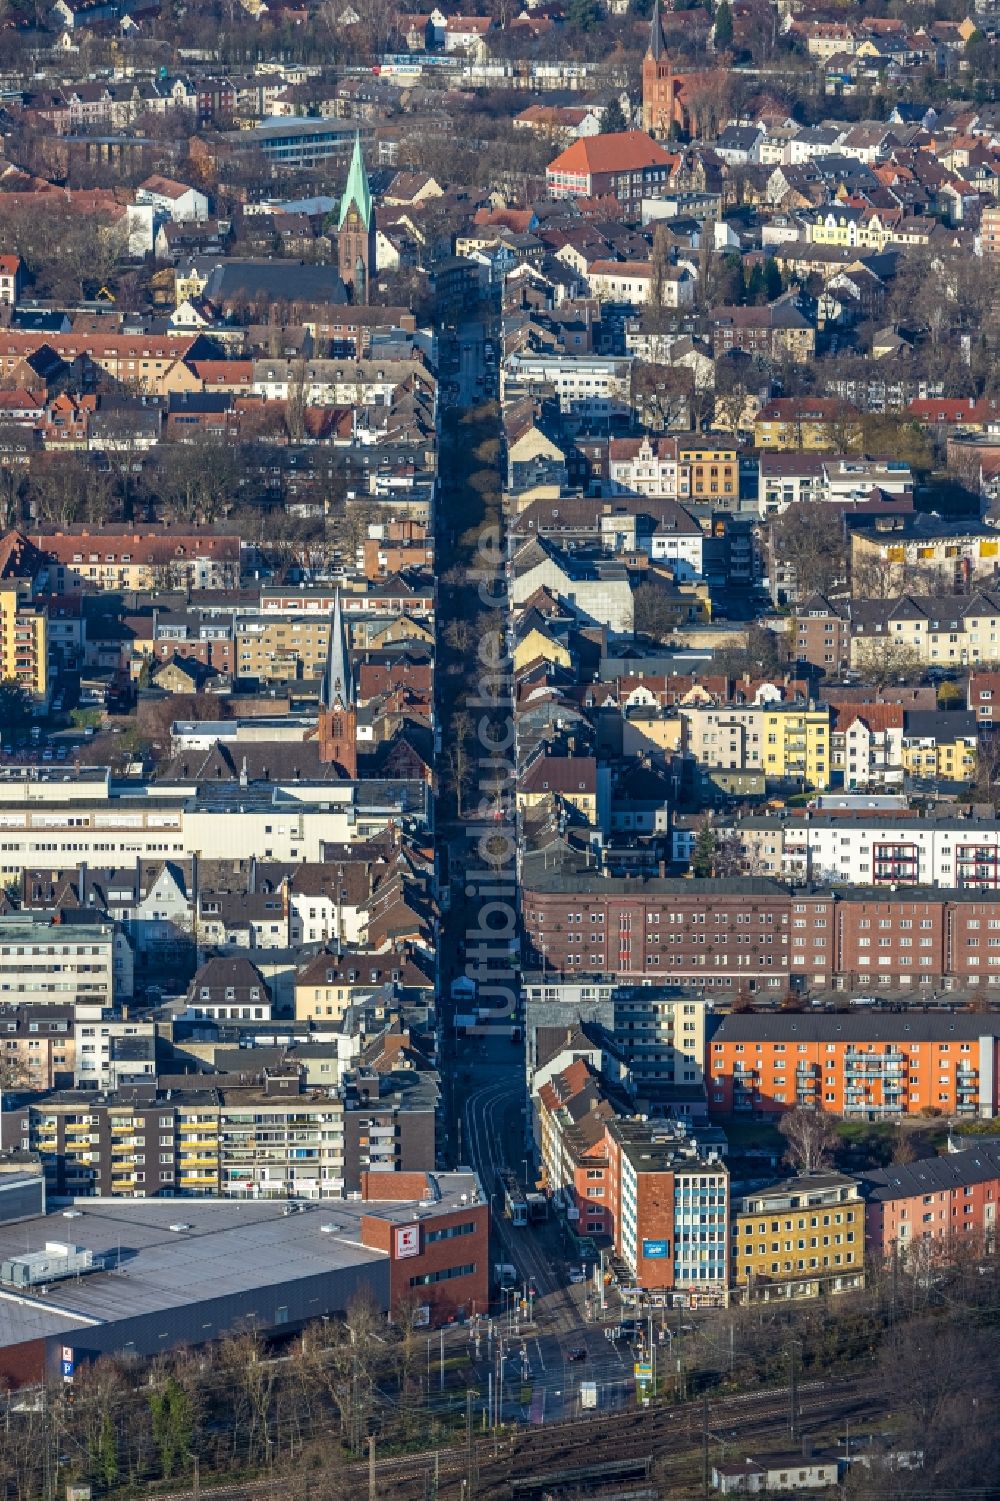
(878, 717)
(624, 151)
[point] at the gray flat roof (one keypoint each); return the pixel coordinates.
(229, 1247)
(905, 1025)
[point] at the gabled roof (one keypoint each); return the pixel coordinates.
(905, 1180)
(566, 774)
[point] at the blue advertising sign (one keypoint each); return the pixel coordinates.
(656, 1250)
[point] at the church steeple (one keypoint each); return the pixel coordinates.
(336, 690)
(357, 194)
(337, 723)
(356, 229)
(657, 43)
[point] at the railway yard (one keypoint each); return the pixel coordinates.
(660, 1451)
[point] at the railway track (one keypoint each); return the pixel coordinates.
(666, 1434)
(658, 1431)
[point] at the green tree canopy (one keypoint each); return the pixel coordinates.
(723, 26)
(613, 119)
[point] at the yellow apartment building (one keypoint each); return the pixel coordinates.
(798, 1238)
(784, 742)
(24, 642)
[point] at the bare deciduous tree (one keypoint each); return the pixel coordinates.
(811, 1138)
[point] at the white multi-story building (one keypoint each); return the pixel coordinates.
(62, 823)
(110, 1053)
(644, 466)
(876, 851)
(591, 387)
(63, 956)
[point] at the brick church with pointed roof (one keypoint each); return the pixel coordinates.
(668, 98)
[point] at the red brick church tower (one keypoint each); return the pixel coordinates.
(337, 726)
(661, 86)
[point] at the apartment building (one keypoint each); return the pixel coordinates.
(276, 1144)
(572, 1115)
(119, 558)
(11, 275)
(645, 1184)
(881, 848)
(151, 363)
(798, 1239)
(389, 1120)
(787, 742)
(228, 989)
(325, 383)
(715, 933)
(983, 698)
(24, 642)
(51, 957)
(898, 548)
(592, 388)
(940, 632)
(989, 230)
(86, 818)
(821, 635)
(788, 479)
(635, 283)
(112, 1053)
(779, 330)
(942, 747)
(381, 600)
(124, 1145)
(708, 468)
(935, 1205)
(862, 1067)
(794, 477)
(37, 1046)
(816, 422)
(644, 466)
(866, 744)
(660, 1035)
(330, 983)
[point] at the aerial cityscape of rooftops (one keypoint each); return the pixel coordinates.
(499, 749)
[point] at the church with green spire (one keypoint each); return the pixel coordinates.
(356, 229)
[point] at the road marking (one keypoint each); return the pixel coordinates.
(541, 1358)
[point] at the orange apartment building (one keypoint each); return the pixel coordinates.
(863, 1067)
(937, 1203)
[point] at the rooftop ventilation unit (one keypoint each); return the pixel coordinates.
(58, 1260)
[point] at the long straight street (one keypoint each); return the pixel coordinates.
(545, 1336)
